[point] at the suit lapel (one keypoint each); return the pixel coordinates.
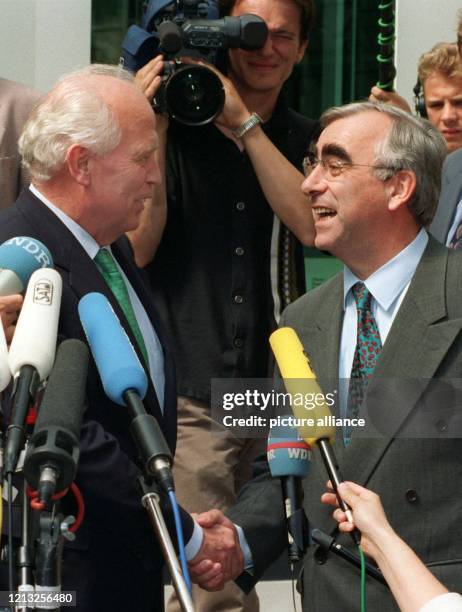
(321, 334)
(416, 345)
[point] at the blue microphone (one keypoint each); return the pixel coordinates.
(116, 359)
(125, 382)
(289, 459)
(20, 257)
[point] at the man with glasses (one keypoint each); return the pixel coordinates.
(391, 320)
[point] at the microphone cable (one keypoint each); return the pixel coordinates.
(179, 533)
(386, 41)
(363, 579)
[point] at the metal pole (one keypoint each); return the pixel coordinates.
(151, 502)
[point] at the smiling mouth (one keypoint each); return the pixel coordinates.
(322, 213)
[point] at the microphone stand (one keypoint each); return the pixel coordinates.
(25, 563)
(150, 501)
(156, 459)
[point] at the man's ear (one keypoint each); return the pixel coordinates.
(77, 161)
(301, 51)
(401, 189)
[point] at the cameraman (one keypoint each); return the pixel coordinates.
(226, 265)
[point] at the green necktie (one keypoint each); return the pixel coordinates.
(111, 274)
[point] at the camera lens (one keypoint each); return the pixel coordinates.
(194, 95)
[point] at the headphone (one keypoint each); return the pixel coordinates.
(419, 100)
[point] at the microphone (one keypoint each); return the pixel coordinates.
(125, 382)
(53, 451)
(32, 353)
(289, 459)
(299, 378)
(19, 258)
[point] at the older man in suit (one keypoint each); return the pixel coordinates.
(90, 147)
(373, 187)
(16, 102)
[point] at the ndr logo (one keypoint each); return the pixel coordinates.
(43, 292)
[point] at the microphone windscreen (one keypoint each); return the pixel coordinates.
(117, 362)
(5, 374)
(63, 402)
(299, 378)
(23, 255)
(34, 340)
(288, 454)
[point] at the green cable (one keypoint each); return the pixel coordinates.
(363, 580)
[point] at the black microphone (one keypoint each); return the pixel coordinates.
(125, 383)
(53, 451)
(32, 353)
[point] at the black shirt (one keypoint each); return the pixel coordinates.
(211, 274)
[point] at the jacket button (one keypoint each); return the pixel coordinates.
(441, 425)
(411, 496)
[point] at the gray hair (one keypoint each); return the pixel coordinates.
(70, 115)
(412, 144)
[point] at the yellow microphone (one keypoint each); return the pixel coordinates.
(317, 424)
(300, 381)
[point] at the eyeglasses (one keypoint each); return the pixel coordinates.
(334, 167)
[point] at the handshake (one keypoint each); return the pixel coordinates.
(220, 557)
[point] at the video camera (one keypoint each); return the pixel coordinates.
(191, 94)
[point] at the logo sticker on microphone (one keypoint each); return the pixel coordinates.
(43, 292)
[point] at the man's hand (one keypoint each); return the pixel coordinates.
(148, 78)
(10, 305)
(389, 97)
(220, 558)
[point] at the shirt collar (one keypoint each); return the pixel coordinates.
(87, 241)
(387, 283)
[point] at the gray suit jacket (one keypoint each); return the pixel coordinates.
(16, 102)
(419, 480)
(451, 188)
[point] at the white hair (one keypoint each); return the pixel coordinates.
(71, 114)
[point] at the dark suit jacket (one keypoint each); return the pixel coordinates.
(451, 189)
(115, 546)
(419, 480)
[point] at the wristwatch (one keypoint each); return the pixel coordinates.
(248, 124)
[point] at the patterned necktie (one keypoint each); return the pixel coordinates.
(456, 240)
(368, 347)
(111, 274)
